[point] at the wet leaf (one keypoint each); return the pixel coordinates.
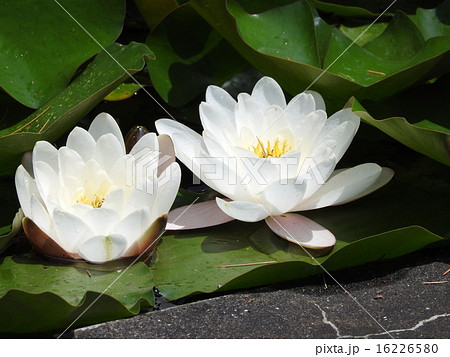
(40, 53)
(38, 296)
(62, 112)
(123, 91)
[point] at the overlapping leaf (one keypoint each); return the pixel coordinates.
(110, 68)
(381, 68)
(43, 43)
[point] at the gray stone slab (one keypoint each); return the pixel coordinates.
(382, 300)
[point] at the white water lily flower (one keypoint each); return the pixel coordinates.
(79, 201)
(270, 158)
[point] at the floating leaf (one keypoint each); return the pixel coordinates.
(425, 137)
(391, 222)
(123, 91)
(43, 45)
(350, 70)
(39, 297)
(56, 117)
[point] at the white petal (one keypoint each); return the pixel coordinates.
(115, 200)
(71, 230)
(39, 215)
(299, 106)
(46, 179)
(25, 185)
(188, 143)
(82, 142)
(217, 121)
(268, 92)
(168, 185)
(283, 195)
(148, 141)
(346, 185)
(198, 215)
(221, 98)
(104, 124)
(133, 226)
(248, 113)
(46, 152)
(319, 102)
(301, 230)
(70, 163)
(140, 197)
(101, 220)
(246, 211)
(107, 151)
(100, 249)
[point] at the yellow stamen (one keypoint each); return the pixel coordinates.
(275, 150)
(95, 201)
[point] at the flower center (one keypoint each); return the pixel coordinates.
(95, 200)
(276, 149)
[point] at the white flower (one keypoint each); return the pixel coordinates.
(81, 201)
(270, 158)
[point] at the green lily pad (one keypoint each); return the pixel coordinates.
(155, 11)
(43, 45)
(383, 67)
(425, 137)
(389, 223)
(123, 91)
(62, 112)
(190, 55)
(36, 297)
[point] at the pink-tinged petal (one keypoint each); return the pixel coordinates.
(103, 248)
(166, 153)
(43, 244)
(46, 152)
(268, 92)
(104, 124)
(301, 230)
(246, 211)
(198, 215)
(146, 244)
(71, 230)
(82, 142)
(347, 185)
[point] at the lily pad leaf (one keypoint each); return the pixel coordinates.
(425, 137)
(382, 67)
(190, 56)
(40, 53)
(51, 298)
(110, 68)
(242, 255)
(123, 91)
